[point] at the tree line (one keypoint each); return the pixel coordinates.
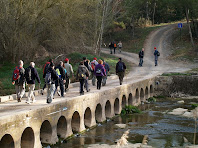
(27, 26)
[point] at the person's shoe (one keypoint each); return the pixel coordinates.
(88, 90)
(58, 92)
(62, 96)
(28, 102)
(33, 101)
(120, 83)
(19, 99)
(81, 93)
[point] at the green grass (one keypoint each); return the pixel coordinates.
(6, 69)
(131, 44)
(176, 74)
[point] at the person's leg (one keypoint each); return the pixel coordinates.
(99, 82)
(61, 88)
(81, 86)
(52, 89)
(32, 87)
(104, 79)
(86, 85)
(29, 94)
(93, 79)
(21, 91)
(156, 60)
(17, 92)
(114, 49)
(48, 93)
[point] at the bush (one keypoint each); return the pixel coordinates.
(130, 110)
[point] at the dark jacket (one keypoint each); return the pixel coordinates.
(88, 65)
(21, 79)
(62, 72)
(141, 54)
(34, 76)
(82, 69)
(46, 66)
(102, 69)
(54, 75)
(117, 66)
(155, 52)
(107, 68)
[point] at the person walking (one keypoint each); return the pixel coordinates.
(18, 79)
(50, 78)
(61, 79)
(114, 46)
(99, 72)
(141, 56)
(111, 47)
(70, 73)
(46, 66)
(120, 70)
(107, 69)
(156, 54)
(82, 75)
(31, 75)
(120, 46)
(87, 64)
(93, 65)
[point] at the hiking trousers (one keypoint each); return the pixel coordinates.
(20, 90)
(93, 79)
(31, 92)
(82, 81)
(141, 62)
(67, 83)
(121, 76)
(104, 80)
(50, 92)
(60, 83)
(156, 59)
(99, 81)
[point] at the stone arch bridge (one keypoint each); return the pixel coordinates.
(31, 128)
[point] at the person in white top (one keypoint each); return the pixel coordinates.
(120, 46)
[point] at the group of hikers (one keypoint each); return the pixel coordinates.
(113, 46)
(60, 75)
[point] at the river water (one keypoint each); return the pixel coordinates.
(163, 130)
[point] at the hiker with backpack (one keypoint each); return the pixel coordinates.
(70, 73)
(18, 79)
(31, 75)
(120, 46)
(61, 79)
(50, 78)
(99, 72)
(120, 70)
(46, 67)
(82, 75)
(93, 65)
(114, 46)
(156, 54)
(87, 64)
(141, 56)
(107, 69)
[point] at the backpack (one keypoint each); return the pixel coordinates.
(93, 65)
(114, 45)
(158, 53)
(48, 78)
(28, 74)
(98, 71)
(58, 72)
(16, 73)
(120, 67)
(81, 74)
(47, 66)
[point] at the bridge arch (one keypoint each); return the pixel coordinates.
(7, 141)
(62, 127)
(141, 94)
(46, 132)
(27, 138)
(124, 101)
(151, 90)
(87, 117)
(108, 109)
(75, 123)
(130, 99)
(146, 93)
(98, 113)
(117, 106)
(137, 95)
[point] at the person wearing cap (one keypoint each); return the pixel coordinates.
(70, 73)
(52, 75)
(156, 54)
(93, 64)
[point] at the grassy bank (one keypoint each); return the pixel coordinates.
(182, 47)
(130, 43)
(6, 69)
